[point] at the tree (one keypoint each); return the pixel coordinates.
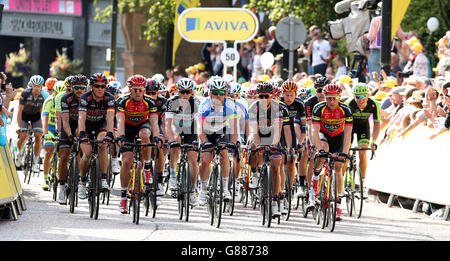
(311, 12)
(160, 16)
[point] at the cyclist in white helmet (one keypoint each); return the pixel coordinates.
(30, 107)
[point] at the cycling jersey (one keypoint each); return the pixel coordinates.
(332, 123)
(58, 101)
(161, 108)
(297, 114)
(69, 104)
(137, 113)
(309, 105)
(217, 118)
(96, 111)
(277, 113)
(48, 109)
(242, 112)
(183, 112)
(362, 116)
(32, 107)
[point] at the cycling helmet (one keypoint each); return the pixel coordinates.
(67, 81)
(276, 91)
(173, 88)
(36, 80)
(264, 87)
(78, 80)
(162, 87)
(152, 85)
(113, 87)
(185, 84)
(303, 91)
(360, 88)
(278, 82)
(98, 77)
(111, 78)
(289, 86)
(158, 77)
(235, 88)
(252, 92)
(59, 87)
(321, 81)
(332, 88)
(136, 79)
(218, 84)
(199, 89)
(50, 83)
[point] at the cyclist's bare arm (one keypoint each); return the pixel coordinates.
(82, 121)
(66, 124)
(169, 129)
(154, 123)
(347, 137)
(19, 115)
(120, 123)
(110, 120)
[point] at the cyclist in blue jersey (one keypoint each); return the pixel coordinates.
(217, 123)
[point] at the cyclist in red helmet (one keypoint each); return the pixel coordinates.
(332, 124)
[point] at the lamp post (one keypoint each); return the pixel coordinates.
(386, 24)
(112, 63)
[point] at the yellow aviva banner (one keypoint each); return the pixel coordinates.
(217, 24)
(180, 6)
(399, 8)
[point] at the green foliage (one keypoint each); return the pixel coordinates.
(311, 12)
(159, 15)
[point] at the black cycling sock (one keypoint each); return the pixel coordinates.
(62, 182)
(104, 176)
(123, 193)
(83, 179)
(147, 165)
(317, 172)
(253, 170)
(302, 181)
(160, 178)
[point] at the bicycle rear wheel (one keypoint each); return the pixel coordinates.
(357, 195)
(231, 186)
(73, 183)
(349, 190)
(153, 190)
(53, 176)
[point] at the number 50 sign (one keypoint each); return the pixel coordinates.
(230, 57)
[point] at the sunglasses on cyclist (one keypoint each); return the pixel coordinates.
(185, 92)
(137, 89)
(319, 90)
(100, 86)
(79, 87)
(358, 97)
(36, 86)
(264, 96)
(152, 93)
(218, 93)
(332, 98)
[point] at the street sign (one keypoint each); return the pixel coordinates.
(283, 33)
(230, 57)
(290, 34)
(200, 25)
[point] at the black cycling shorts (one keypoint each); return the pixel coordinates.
(335, 144)
(131, 133)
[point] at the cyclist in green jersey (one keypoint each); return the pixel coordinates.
(363, 107)
(49, 129)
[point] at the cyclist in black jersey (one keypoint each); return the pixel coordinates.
(363, 107)
(297, 123)
(96, 114)
(181, 127)
(152, 89)
(268, 119)
(114, 87)
(30, 107)
(69, 129)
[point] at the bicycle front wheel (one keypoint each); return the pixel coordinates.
(218, 199)
(137, 194)
(180, 196)
(332, 201)
(187, 189)
(357, 193)
(73, 183)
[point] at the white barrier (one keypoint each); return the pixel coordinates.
(413, 167)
